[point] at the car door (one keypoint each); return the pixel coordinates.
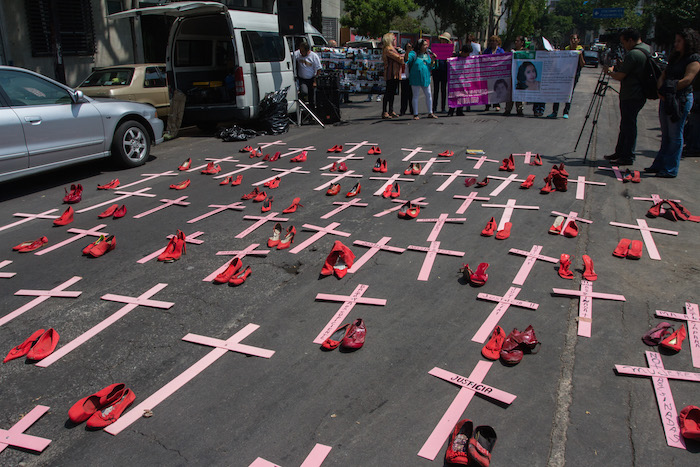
(155, 89)
(13, 150)
(55, 128)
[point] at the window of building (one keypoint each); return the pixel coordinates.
(72, 22)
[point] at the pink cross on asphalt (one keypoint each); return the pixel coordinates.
(349, 302)
(655, 199)
(692, 316)
(343, 206)
(531, 257)
(131, 304)
(30, 217)
(122, 196)
(6, 275)
(168, 202)
(508, 211)
(504, 303)
(616, 170)
(336, 178)
(528, 155)
(581, 185)
(240, 254)
(282, 173)
(585, 304)
(320, 232)
(429, 163)
(571, 216)
(352, 148)
(93, 232)
(469, 386)
(440, 223)
(389, 181)
(664, 397)
(243, 168)
(149, 177)
(451, 177)
(468, 200)
(270, 217)
(15, 436)
(315, 458)
(431, 253)
(237, 206)
(221, 348)
(339, 159)
(504, 184)
(416, 201)
(212, 160)
(41, 296)
(293, 151)
(480, 161)
(646, 231)
(413, 152)
(373, 250)
(271, 143)
(188, 239)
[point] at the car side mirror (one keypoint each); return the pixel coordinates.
(77, 96)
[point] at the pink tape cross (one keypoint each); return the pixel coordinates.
(451, 177)
(6, 275)
(429, 163)
(417, 201)
(282, 173)
(148, 178)
(692, 317)
(504, 184)
(260, 220)
(468, 200)
(320, 232)
(374, 248)
(571, 216)
(231, 344)
(243, 168)
(15, 436)
(41, 296)
(93, 232)
(528, 155)
(339, 159)
(581, 187)
(389, 181)
(646, 231)
(431, 253)
(440, 223)
(191, 239)
(168, 202)
(585, 307)
(352, 148)
(349, 302)
(616, 170)
(497, 313)
(480, 161)
(315, 458)
(413, 153)
(122, 196)
(507, 211)
(531, 257)
(337, 178)
(343, 206)
(30, 217)
(212, 160)
(240, 254)
(237, 206)
(293, 151)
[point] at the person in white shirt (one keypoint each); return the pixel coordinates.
(308, 66)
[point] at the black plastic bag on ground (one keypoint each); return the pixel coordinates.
(272, 117)
(236, 133)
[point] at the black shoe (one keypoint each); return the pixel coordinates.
(611, 157)
(665, 175)
(450, 112)
(651, 170)
(460, 113)
(622, 162)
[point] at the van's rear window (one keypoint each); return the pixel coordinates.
(261, 46)
(193, 53)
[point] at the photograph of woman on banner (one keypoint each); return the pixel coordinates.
(501, 89)
(528, 77)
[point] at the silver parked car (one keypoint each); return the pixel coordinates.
(45, 125)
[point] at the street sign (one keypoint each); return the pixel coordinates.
(608, 12)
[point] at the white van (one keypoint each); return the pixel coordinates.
(224, 60)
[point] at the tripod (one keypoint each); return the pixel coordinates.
(594, 107)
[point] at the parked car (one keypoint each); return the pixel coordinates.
(45, 125)
(591, 57)
(139, 83)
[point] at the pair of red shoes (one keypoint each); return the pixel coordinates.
(254, 194)
(212, 169)
(571, 229)
(467, 446)
(413, 169)
(181, 185)
(100, 246)
(630, 249)
(185, 165)
(508, 164)
(232, 275)
(36, 347)
(272, 158)
(529, 181)
(102, 408)
(300, 158)
(115, 211)
(109, 186)
(26, 247)
(75, 195)
(66, 218)
(630, 176)
(246, 149)
(565, 264)
(336, 148)
(536, 160)
(675, 211)
(274, 183)
(342, 167)
(663, 334)
(278, 241)
(556, 180)
(380, 166)
(491, 227)
(348, 336)
(177, 246)
(232, 181)
(510, 349)
(409, 211)
(477, 278)
(338, 261)
(393, 190)
(447, 153)
(374, 150)
(256, 153)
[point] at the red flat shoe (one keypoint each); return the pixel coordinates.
(674, 342)
(371, 151)
(336, 338)
(108, 186)
(588, 272)
(275, 156)
(108, 244)
(267, 204)
(288, 239)
(241, 278)
(529, 181)
(511, 353)
(571, 229)
(409, 170)
(120, 212)
(564, 264)
(457, 445)
(35, 245)
(413, 211)
(689, 421)
(446, 153)
(334, 167)
(246, 149)
(339, 148)
(23, 349)
(333, 190)
(332, 149)
(635, 251)
(555, 229)
(44, 346)
(181, 185)
(622, 248)
(87, 406)
(416, 169)
(87, 249)
(505, 233)
(481, 445)
(228, 273)
(342, 167)
(109, 212)
(293, 207)
(260, 197)
(492, 349)
(396, 191)
(355, 337)
(387, 191)
(355, 191)
(211, 169)
(484, 182)
(384, 168)
(237, 180)
(185, 165)
(537, 160)
(276, 233)
(490, 228)
(226, 181)
(66, 218)
(377, 165)
(111, 414)
(528, 341)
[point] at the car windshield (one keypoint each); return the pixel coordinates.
(111, 77)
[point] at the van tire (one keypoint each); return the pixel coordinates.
(131, 144)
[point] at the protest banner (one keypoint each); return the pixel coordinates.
(443, 51)
(482, 79)
(544, 76)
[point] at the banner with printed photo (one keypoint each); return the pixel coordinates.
(482, 79)
(544, 76)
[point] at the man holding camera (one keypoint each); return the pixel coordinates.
(632, 97)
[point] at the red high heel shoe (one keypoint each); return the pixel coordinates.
(26, 247)
(228, 273)
(342, 167)
(179, 248)
(288, 239)
(275, 156)
(211, 169)
(674, 342)
(555, 229)
(181, 185)
(377, 165)
(246, 149)
(355, 191)
(168, 249)
(484, 182)
(75, 195)
(109, 186)
(274, 183)
(387, 191)
(564, 263)
(237, 181)
(469, 181)
(120, 212)
(409, 170)
(547, 188)
(185, 165)
(446, 153)
(338, 261)
(109, 212)
(87, 249)
(529, 181)
(44, 346)
(251, 195)
(295, 204)
(226, 180)
(477, 278)
(276, 233)
(384, 168)
(334, 167)
(23, 349)
(260, 197)
(240, 278)
(333, 190)
(396, 191)
(490, 228)
(267, 204)
(266, 157)
(588, 272)
(505, 233)
(300, 158)
(403, 210)
(371, 151)
(70, 193)
(333, 149)
(66, 218)
(537, 160)
(355, 337)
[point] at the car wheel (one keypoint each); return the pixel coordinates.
(131, 144)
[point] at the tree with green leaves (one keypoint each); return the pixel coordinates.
(672, 16)
(523, 17)
(461, 16)
(373, 17)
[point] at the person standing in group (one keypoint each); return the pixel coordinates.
(308, 66)
(518, 44)
(573, 45)
(393, 61)
(632, 98)
(494, 48)
(406, 94)
(676, 92)
(463, 53)
(440, 77)
(420, 62)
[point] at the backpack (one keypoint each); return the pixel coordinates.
(650, 76)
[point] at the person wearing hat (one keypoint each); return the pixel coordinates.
(440, 76)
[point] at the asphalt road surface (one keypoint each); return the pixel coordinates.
(379, 405)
